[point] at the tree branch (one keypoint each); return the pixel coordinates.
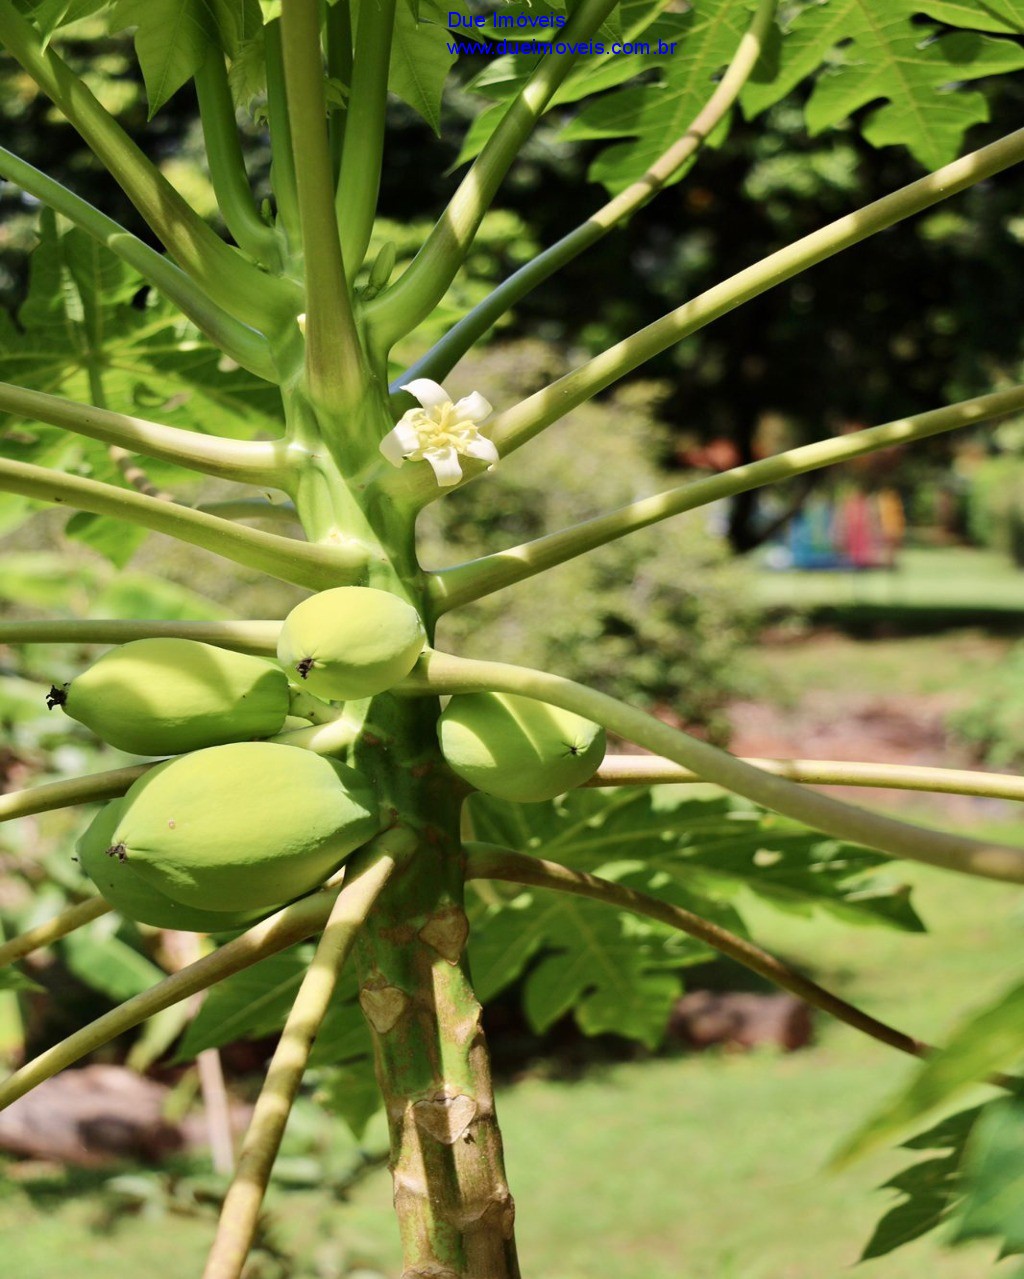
(470, 581)
(52, 930)
(515, 426)
(487, 861)
(440, 673)
(334, 358)
(249, 462)
(240, 1211)
(426, 280)
(259, 638)
(652, 770)
(445, 354)
(237, 339)
(301, 563)
(292, 924)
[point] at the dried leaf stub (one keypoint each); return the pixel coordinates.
(445, 1118)
(383, 1006)
(447, 933)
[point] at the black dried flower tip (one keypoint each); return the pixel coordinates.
(56, 697)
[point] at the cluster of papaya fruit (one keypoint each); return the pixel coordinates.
(234, 825)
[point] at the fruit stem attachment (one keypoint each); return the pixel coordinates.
(52, 930)
(366, 874)
(441, 673)
(488, 861)
(306, 706)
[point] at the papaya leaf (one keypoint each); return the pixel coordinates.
(351, 1092)
(929, 1190)
(993, 1178)
(1003, 16)
(172, 38)
(108, 964)
(420, 61)
(50, 16)
(871, 52)
(989, 1041)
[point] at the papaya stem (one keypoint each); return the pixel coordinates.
(292, 924)
(247, 461)
(66, 794)
(477, 578)
(304, 564)
(258, 638)
(515, 426)
(366, 875)
(441, 673)
(489, 861)
(653, 770)
(52, 930)
(445, 354)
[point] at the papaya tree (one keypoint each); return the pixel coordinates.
(335, 774)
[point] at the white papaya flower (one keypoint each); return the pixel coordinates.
(439, 432)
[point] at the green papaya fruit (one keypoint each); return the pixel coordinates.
(168, 696)
(518, 748)
(132, 897)
(351, 642)
(243, 826)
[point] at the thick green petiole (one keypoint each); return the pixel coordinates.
(302, 563)
(363, 148)
(466, 582)
(442, 358)
(259, 638)
(441, 673)
(419, 289)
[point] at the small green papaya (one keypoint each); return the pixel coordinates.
(168, 696)
(518, 748)
(351, 642)
(243, 826)
(132, 897)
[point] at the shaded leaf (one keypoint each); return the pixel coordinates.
(108, 964)
(172, 37)
(351, 1092)
(420, 61)
(993, 1174)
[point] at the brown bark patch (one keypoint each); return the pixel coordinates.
(445, 1118)
(383, 1006)
(447, 933)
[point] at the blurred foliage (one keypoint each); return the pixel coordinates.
(659, 618)
(994, 722)
(994, 503)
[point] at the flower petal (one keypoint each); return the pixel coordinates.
(482, 448)
(474, 407)
(396, 443)
(445, 463)
(428, 393)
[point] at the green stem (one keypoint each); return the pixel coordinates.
(363, 150)
(426, 280)
(441, 673)
(338, 30)
(235, 338)
(490, 573)
(254, 508)
(652, 770)
(365, 877)
(517, 425)
(487, 861)
(306, 706)
(259, 638)
(249, 462)
(52, 930)
(292, 924)
(64, 794)
(301, 563)
(334, 362)
(227, 165)
(225, 276)
(282, 169)
(442, 358)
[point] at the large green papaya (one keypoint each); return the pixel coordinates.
(518, 748)
(132, 897)
(243, 826)
(351, 642)
(168, 696)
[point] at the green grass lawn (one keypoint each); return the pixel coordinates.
(932, 584)
(708, 1167)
